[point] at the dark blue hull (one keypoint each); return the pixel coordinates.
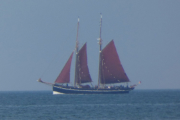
(71, 90)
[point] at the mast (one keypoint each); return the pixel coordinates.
(100, 61)
(76, 62)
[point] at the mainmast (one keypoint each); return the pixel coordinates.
(76, 63)
(100, 61)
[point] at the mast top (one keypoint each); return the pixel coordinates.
(100, 19)
(77, 36)
(100, 40)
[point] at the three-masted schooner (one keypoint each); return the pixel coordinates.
(110, 72)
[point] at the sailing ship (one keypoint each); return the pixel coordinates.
(110, 72)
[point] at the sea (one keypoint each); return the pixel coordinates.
(137, 105)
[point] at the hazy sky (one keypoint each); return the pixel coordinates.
(38, 36)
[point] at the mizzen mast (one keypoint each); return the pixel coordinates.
(100, 60)
(76, 63)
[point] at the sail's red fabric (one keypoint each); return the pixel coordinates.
(64, 76)
(84, 75)
(112, 70)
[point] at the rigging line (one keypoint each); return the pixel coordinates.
(68, 37)
(48, 66)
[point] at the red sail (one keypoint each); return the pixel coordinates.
(64, 76)
(112, 70)
(84, 75)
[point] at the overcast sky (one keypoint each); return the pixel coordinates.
(38, 36)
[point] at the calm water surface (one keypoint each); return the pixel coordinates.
(137, 105)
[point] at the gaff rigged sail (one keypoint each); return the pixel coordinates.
(84, 75)
(112, 70)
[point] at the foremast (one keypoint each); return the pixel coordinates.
(76, 78)
(100, 60)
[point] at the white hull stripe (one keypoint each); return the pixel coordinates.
(57, 93)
